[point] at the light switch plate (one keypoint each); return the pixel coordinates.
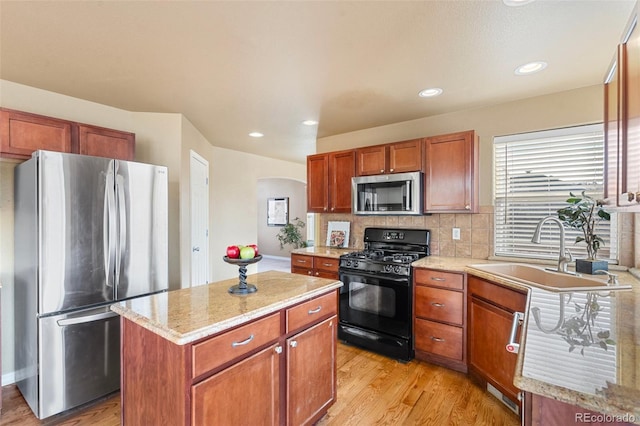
(455, 234)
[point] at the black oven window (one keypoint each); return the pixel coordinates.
(373, 299)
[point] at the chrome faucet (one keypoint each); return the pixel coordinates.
(564, 255)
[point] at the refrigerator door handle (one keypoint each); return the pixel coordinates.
(88, 318)
(109, 228)
(122, 225)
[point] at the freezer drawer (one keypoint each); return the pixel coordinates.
(79, 359)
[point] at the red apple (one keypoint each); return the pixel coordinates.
(254, 247)
(233, 252)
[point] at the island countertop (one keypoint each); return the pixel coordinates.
(186, 315)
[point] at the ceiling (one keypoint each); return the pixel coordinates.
(233, 67)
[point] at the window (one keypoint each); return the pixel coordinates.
(534, 174)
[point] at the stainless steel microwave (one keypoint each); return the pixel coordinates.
(392, 194)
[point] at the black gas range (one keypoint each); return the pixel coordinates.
(376, 299)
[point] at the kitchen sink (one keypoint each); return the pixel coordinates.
(548, 280)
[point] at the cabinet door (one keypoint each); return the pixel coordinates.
(317, 183)
(102, 142)
(22, 133)
(630, 155)
(451, 181)
(371, 160)
(311, 373)
(342, 166)
(488, 335)
(612, 131)
(405, 156)
(251, 389)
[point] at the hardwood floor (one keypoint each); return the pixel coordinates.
(372, 390)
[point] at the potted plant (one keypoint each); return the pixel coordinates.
(290, 234)
(585, 213)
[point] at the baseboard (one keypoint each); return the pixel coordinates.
(8, 378)
(269, 256)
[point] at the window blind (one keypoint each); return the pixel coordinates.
(534, 175)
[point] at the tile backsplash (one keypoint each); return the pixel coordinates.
(476, 232)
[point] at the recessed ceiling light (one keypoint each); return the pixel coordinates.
(429, 93)
(530, 68)
(516, 3)
(256, 134)
(309, 122)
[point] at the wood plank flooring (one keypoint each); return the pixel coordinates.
(372, 390)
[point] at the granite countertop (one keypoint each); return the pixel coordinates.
(186, 315)
(323, 251)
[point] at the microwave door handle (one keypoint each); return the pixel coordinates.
(407, 196)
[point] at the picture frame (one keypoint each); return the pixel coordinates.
(277, 211)
(338, 234)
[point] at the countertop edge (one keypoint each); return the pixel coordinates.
(220, 326)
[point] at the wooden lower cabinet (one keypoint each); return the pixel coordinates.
(257, 403)
(311, 380)
(490, 314)
(276, 370)
(317, 266)
(440, 318)
(542, 411)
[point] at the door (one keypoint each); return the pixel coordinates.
(142, 230)
(74, 233)
(199, 193)
(79, 359)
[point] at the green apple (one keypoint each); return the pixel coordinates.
(247, 252)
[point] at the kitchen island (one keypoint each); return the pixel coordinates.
(203, 356)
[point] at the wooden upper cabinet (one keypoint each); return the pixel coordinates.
(405, 156)
(622, 121)
(341, 169)
(629, 158)
(101, 142)
(399, 157)
(451, 177)
(23, 133)
(317, 183)
(371, 160)
(329, 182)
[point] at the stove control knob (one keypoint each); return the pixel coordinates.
(347, 263)
(355, 263)
(396, 269)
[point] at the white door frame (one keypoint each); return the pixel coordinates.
(199, 223)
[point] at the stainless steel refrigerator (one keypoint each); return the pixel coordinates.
(89, 231)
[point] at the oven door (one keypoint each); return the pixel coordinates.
(376, 302)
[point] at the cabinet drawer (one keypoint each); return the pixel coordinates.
(440, 305)
(439, 278)
(301, 261)
(327, 264)
(218, 350)
(312, 311)
(440, 339)
(511, 299)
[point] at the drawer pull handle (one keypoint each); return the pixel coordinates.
(437, 339)
(301, 261)
(315, 311)
(438, 279)
(293, 344)
(327, 264)
(278, 349)
(244, 342)
(437, 305)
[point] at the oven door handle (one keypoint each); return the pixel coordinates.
(403, 281)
